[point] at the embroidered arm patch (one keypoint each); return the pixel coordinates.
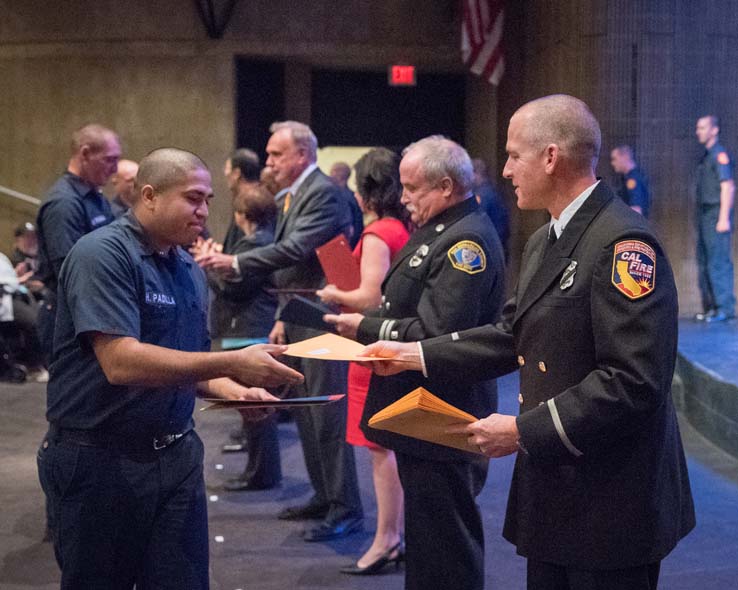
(634, 268)
(468, 257)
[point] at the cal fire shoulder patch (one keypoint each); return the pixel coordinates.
(723, 158)
(631, 184)
(634, 268)
(467, 256)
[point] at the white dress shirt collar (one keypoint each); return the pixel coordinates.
(566, 215)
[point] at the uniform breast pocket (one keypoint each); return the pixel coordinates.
(564, 301)
(158, 324)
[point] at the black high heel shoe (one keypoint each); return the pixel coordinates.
(395, 554)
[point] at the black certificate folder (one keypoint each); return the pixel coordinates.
(303, 312)
(238, 404)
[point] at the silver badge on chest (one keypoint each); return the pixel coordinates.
(420, 253)
(567, 279)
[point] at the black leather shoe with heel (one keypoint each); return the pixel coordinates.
(394, 555)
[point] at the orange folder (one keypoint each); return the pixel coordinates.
(330, 347)
(339, 265)
(422, 415)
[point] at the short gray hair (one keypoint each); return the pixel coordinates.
(301, 134)
(567, 122)
(441, 157)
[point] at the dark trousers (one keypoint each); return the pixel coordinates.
(549, 576)
(329, 459)
(714, 263)
(444, 538)
(119, 520)
(264, 467)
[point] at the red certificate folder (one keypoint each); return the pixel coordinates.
(339, 265)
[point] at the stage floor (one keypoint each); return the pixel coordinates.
(259, 552)
(713, 346)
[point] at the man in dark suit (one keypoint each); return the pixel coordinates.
(310, 213)
(600, 492)
(450, 275)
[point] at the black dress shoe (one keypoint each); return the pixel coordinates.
(234, 447)
(327, 531)
(394, 555)
(242, 485)
(304, 512)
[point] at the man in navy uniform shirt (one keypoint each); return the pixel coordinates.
(73, 207)
(633, 187)
(715, 193)
(121, 466)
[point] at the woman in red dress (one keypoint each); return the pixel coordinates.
(378, 192)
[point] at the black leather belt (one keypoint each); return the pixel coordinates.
(105, 440)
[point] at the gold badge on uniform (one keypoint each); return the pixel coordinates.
(467, 256)
(634, 268)
(723, 159)
(631, 184)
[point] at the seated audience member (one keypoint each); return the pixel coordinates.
(25, 258)
(378, 192)
(18, 331)
(251, 310)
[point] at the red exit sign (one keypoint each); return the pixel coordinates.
(401, 75)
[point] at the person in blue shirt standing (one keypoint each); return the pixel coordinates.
(715, 193)
(633, 187)
(73, 207)
(121, 465)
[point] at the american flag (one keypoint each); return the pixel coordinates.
(481, 38)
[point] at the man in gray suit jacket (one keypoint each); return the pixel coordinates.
(310, 213)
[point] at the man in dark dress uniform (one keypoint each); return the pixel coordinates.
(715, 194)
(121, 465)
(600, 492)
(633, 188)
(450, 275)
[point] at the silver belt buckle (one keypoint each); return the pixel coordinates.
(165, 441)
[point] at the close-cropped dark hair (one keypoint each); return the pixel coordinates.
(256, 204)
(248, 163)
(378, 183)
